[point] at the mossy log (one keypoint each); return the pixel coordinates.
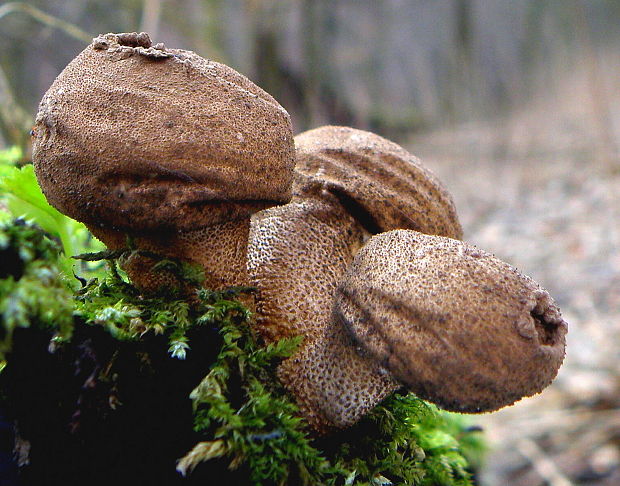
(102, 411)
(101, 399)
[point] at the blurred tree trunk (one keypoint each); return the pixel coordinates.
(266, 45)
(269, 68)
(324, 102)
(15, 123)
(376, 70)
(463, 62)
(607, 147)
(463, 29)
(307, 93)
(151, 15)
(314, 66)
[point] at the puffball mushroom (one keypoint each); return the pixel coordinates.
(454, 324)
(133, 138)
(349, 240)
(298, 253)
(349, 185)
(377, 181)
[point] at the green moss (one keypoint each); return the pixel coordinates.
(115, 304)
(247, 417)
(32, 293)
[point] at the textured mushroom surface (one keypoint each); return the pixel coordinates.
(453, 323)
(136, 136)
(220, 248)
(376, 180)
(297, 255)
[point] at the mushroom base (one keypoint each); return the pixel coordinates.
(220, 249)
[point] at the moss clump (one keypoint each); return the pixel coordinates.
(31, 289)
(247, 417)
(115, 304)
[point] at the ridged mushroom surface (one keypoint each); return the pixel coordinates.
(451, 322)
(377, 181)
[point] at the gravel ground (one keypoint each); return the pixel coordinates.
(544, 197)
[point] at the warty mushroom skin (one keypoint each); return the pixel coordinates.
(133, 138)
(349, 185)
(454, 324)
(192, 160)
(298, 253)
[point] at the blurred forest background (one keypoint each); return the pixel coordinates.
(515, 104)
(392, 66)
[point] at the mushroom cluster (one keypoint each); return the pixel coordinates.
(349, 240)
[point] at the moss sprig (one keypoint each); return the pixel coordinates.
(115, 304)
(259, 428)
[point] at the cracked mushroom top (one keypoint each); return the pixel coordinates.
(134, 135)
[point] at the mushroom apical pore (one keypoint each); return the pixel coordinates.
(192, 160)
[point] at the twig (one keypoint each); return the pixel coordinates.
(17, 122)
(542, 463)
(598, 95)
(39, 15)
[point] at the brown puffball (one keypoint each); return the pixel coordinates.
(457, 326)
(349, 184)
(297, 255)
(136, 136)
(378, 182)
